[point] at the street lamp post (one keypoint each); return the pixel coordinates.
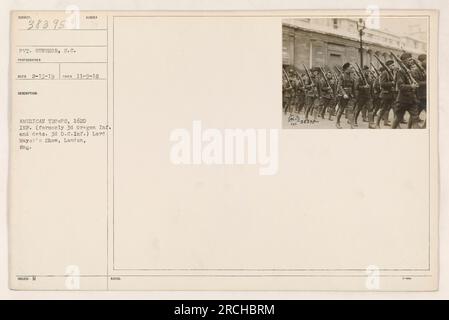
(360, 28)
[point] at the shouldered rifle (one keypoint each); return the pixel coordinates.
(336, 79)
(404, 68)
(300, 79)
(288, 79)
(339, 71)
(385, 67)
(375, 69)
(357, 72)
(308, 75)
(327, 81)
(339, 86)
(334, 75)
(362, 75)
(420, 68)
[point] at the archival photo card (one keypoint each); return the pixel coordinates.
(158, 150)
(355, 72)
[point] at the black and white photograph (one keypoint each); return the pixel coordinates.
(151, 152)
(354, 73)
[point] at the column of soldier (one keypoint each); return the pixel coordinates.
(398, 84)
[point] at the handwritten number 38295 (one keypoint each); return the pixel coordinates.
(40, 24)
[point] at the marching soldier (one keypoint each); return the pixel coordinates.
(419, 74)
(337, 96)
(369, 116)
(406, 99)
(316, 103)
(363, 95)
(334, 86)
(286, 88)
(294, 83)
(388, 94)
(288, 92)
(300, 93)
(395, 71)
(311, 93)
(327, 90)
(346, 89)
(376, 96)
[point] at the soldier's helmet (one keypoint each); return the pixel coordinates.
(422, 58)
(405, 56)
(389, 62)
(346, 66)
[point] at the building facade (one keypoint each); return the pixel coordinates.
(334, 41)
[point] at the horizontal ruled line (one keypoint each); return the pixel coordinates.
(58, 79)
(63, 29)
(57, 45)
(230, 275)
(60, 62)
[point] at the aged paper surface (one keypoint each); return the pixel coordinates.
(155, 151)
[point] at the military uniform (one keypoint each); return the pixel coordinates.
(327, 99)
(376, 97)
(346, 92)
(363, 98)
(290, 92)
(287, 91)
(311, 96)
(294, 84)
(421, 91)
(300, 95)
(406, 99)
(387, 95)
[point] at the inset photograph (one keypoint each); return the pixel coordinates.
(354, 73)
